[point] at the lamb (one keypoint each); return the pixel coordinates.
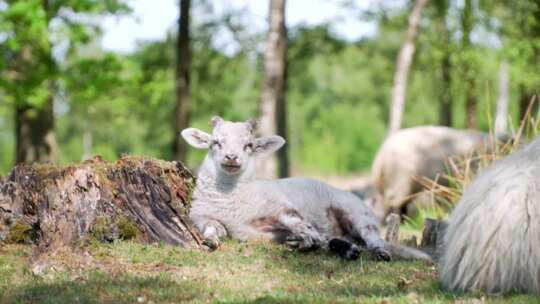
(492, 243)
(302, 213)
(415, 152)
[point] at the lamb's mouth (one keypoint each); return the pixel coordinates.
(231, 167)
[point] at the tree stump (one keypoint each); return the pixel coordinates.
(432, 237)
(133, 198)
(392, 229)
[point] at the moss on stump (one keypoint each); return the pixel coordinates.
(137, 198)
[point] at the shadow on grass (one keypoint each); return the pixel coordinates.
(368, 279)
(101, 288)
(238, 273)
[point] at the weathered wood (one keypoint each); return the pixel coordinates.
(392, 229)
(432, 236)
(411, 242)
(134, 198)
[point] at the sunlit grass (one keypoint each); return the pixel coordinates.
(126, 272)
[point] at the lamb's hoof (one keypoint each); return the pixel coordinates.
(353, 253)
(381, 255)
(211, 243)
(344, 249)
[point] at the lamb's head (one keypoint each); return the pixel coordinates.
(232, 145)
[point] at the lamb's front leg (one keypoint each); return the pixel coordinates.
(213, 231)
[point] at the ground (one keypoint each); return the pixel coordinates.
(127, 272)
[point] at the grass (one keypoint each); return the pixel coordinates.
(127, 272)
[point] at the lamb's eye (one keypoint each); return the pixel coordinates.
(217, 144)
(248, 146)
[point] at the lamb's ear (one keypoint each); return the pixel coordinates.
(268, 144)
(197, 138)
(216, 120)
(252, 124)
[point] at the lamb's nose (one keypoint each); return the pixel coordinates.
(231, 157)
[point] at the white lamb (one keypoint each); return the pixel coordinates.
(302, 213)
(492, 243)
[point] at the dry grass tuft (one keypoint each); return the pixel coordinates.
(461, 171)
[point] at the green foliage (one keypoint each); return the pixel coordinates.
(336, 117)
(26, 47)
(26, 51)
(337, 93)
(520, 34)
(7, 145)
(127, 228)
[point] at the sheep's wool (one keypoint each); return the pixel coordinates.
(492, 243)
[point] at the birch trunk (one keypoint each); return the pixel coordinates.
(501, 115)
(273, 119)
(471, 101)
(405, 57)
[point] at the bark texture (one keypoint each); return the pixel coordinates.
(34, 127)
(183, 94)
(446, 102)
(133, 198)
(501, 115)
(273, 119)
(446, 106)
(405, 57)
(471, 101)
(432, 237)
(392, 229)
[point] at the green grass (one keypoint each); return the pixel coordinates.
(127, 272)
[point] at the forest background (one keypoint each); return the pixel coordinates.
(63, 97)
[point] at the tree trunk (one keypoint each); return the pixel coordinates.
(446, 104)
(433, 237)
(87, 139)
(281, 109)
(34, 129)
(501, 115)
(399, 89)
(392, 228)
(33, 68)
(273, 110)
(135, 198)
(183, 95)
(471, 120)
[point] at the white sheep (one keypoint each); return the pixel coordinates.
(417, 152)
(492, 243)
(303, 213)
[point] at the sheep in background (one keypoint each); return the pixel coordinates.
(415, 152)
(302, 213)
(492, 243)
